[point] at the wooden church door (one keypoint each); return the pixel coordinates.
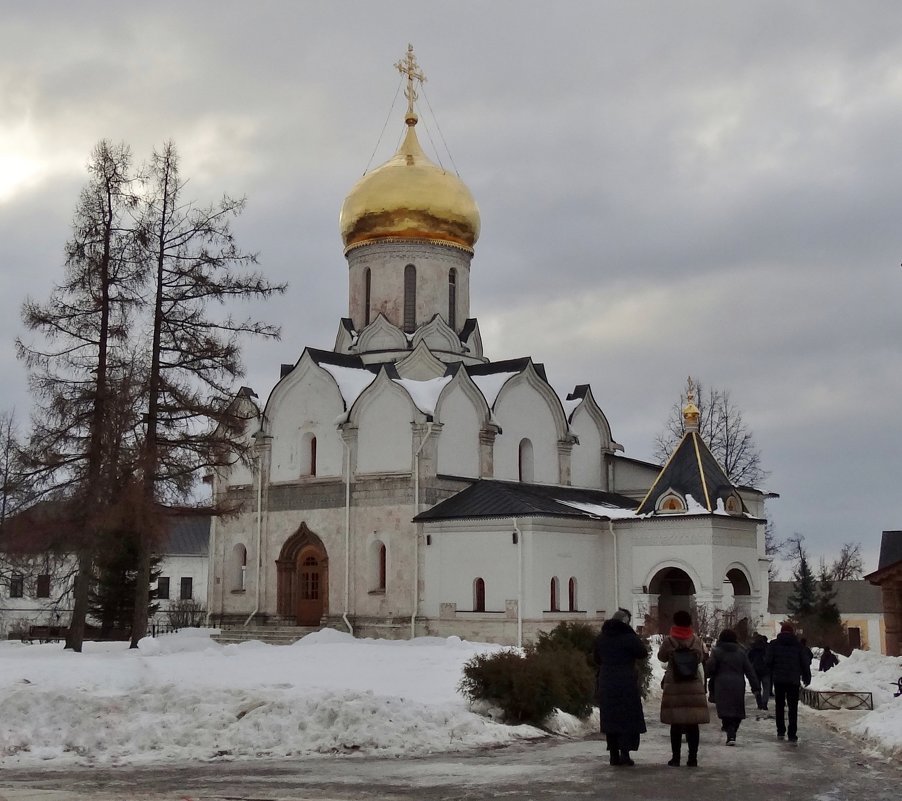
(311, 588)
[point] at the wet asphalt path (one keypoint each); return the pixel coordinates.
(824, 766)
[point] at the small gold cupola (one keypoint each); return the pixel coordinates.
(410, 197)
(690, 410)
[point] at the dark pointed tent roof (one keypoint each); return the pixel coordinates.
(890, 563)
(491, 498)
(691, 470)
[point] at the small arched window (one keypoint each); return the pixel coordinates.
(571, 595)
(452, 298)
(383, 564)
(479, 595)
(239, 568)
(670, 502)
(410, 299)
(555, 605)
(525, 461)
(308, 454)
(367, 290)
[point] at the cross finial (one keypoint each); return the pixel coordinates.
(409, 67)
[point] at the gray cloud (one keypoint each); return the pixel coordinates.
(665, 189)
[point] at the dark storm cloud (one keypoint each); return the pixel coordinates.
(699, 188)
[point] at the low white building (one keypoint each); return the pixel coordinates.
(35, 583)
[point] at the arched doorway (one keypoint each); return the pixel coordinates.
(737, 603)
(302, 571)
(675, 590)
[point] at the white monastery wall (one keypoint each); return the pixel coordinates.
(457, 557)
(523, 413)
(458, 445)
(308, 406)
(585, 460)
(384, 432)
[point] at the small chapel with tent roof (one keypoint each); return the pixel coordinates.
(403, 484)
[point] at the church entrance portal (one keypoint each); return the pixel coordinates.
(303, 579)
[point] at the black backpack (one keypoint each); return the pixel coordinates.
(685, 664)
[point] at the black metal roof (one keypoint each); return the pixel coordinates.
(491, 498)
(189, 535)
(691, 470)
(890, 549)
(507, 366)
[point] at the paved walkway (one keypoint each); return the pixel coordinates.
(824, 766)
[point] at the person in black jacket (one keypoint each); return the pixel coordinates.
(616, 651)
(728, 667)
(789, 666)
(757, 654)
(828, 659)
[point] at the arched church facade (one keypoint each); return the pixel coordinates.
(404, 484)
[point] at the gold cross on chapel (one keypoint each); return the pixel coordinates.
(409, 67)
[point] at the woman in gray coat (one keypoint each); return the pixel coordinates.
(728, 667)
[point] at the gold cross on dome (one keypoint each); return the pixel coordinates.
(409, 67)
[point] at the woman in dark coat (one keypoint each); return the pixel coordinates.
(728, 667)
(616, 651)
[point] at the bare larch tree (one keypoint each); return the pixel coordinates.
(192, 263)
(73, 374)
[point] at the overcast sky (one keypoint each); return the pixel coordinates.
(666, 189)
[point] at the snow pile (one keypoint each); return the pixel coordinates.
(868, 672)
(184, 697)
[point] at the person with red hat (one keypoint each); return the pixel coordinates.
(789, 668)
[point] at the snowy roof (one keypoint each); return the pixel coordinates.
(351, 381)
(491, 498)
(490, 385)
(424, 394)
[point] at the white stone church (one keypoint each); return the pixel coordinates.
(404, 484)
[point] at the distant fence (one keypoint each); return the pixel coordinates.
(837, 699)
(42, 634)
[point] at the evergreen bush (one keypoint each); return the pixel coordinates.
(555, 673)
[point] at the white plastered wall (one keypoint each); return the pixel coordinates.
(384, 419)
(585, 460)
(308, 404)
(524, 413)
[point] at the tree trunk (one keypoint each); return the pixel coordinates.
(76, 635)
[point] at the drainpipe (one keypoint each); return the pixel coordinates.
(344, 615)
(519, 584)
(416, 536)
(616, 566)
(211, 574)
(257, 437)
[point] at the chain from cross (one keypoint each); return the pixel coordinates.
(409, 67)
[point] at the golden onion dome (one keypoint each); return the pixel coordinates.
(409, 197)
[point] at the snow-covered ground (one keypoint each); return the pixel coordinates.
(184, 697)
(870, 672)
